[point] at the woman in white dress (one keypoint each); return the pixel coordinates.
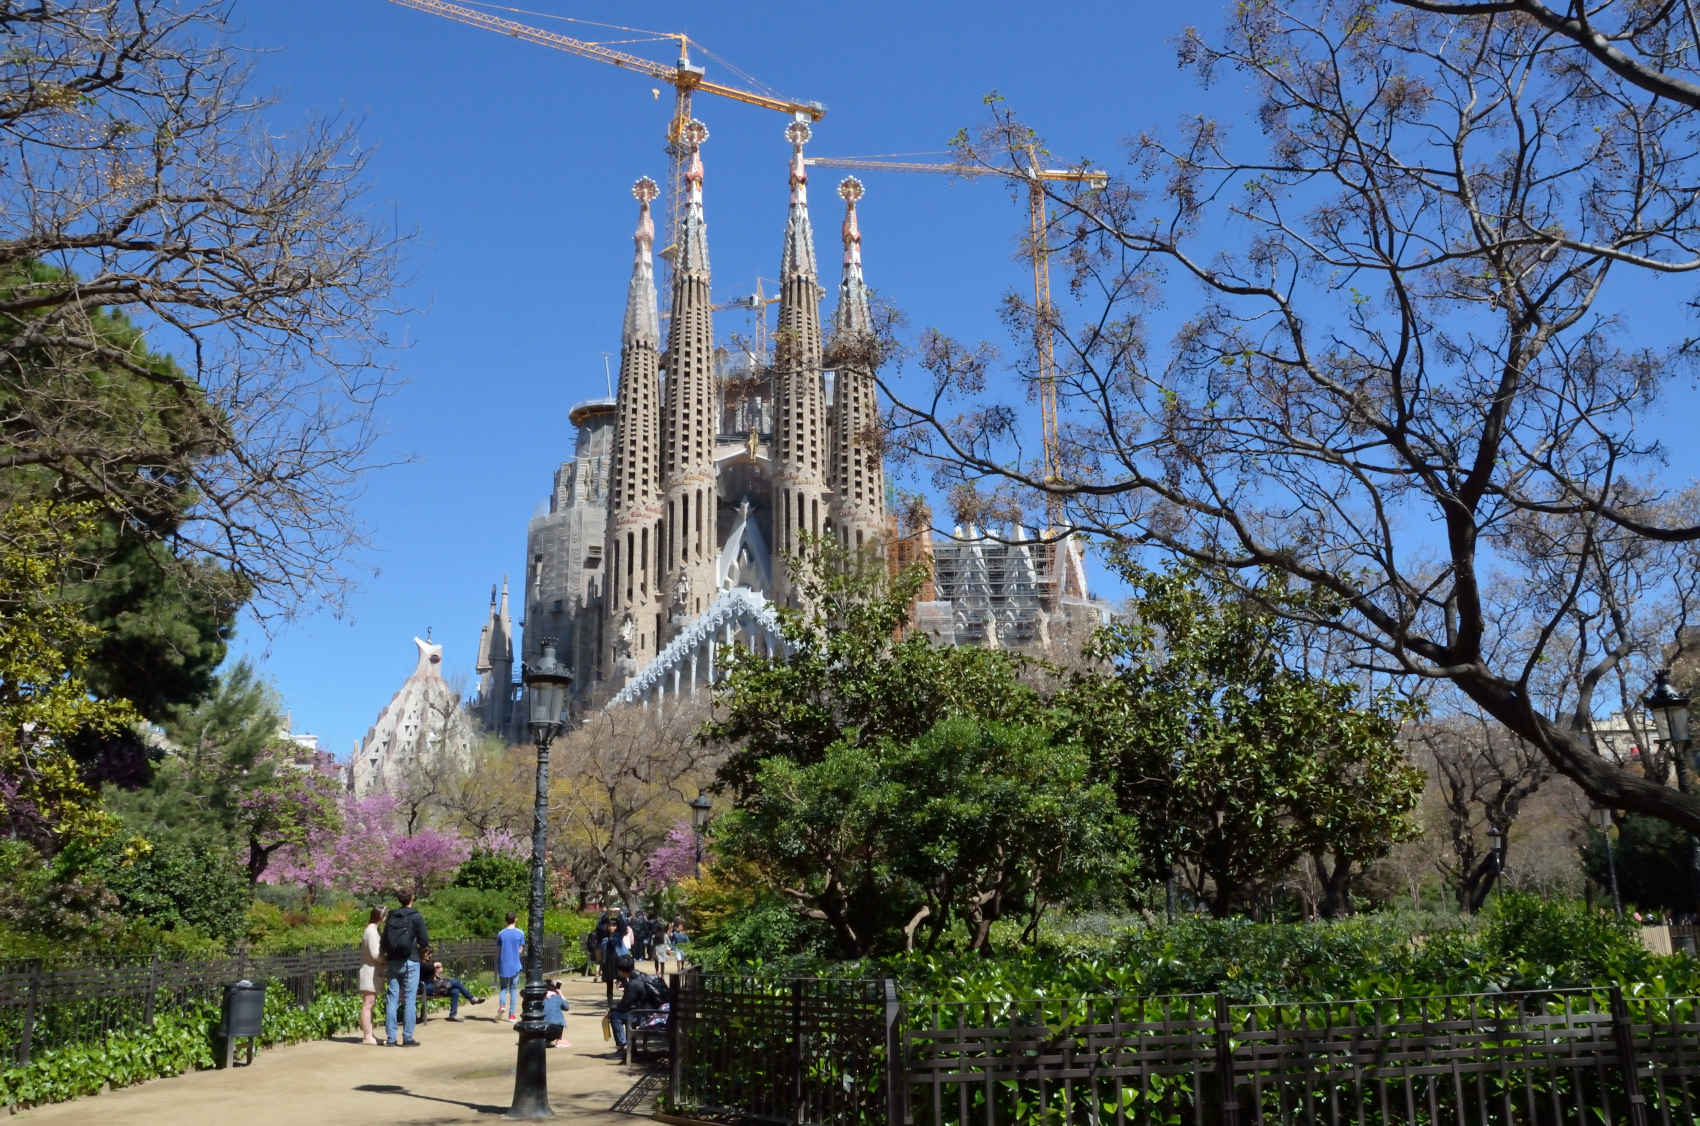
(370, 962)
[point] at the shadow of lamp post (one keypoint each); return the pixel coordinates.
(546, 684)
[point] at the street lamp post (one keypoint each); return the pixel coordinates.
(546, 697)
(1611, 859)
(699, 821)
(1496, 843)
(1670, 726)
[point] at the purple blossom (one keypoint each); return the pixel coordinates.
(677, 856)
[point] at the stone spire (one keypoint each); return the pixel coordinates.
(630, 601)
(801, 502)
(858, 473)
(687, 551)
(494, 664)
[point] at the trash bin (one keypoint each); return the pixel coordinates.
(244, 1010)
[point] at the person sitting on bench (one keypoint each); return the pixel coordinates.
(644, 993)
(438, 984)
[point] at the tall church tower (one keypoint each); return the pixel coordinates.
(632, 602)
(858, 461)
(800, 497)
(494, 666)
(688, 547)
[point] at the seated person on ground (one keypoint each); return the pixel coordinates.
(439, 984)
(644, 993)
(555, 1009)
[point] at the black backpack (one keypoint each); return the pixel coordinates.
(398, 937)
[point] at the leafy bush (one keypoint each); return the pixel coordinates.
(494, 871)
(1558, 943)
(179, 1041)
(770, 931)
(176, 885)
(464, 912)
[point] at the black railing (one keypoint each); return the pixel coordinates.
(848, 1052)
(50, 1007)
(797, 1051)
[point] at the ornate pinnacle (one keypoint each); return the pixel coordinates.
(644, 191)
(798, 133)
(641, 326)
(694, 134)
(850, 190)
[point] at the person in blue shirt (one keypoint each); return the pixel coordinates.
(510, 944)
(555, 1016)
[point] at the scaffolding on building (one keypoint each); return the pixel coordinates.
(1000, 588)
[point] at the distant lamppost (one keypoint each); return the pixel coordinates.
(1670, 726)
(699, 821)
(1497, 843)
(1604, 815)
(546, 684)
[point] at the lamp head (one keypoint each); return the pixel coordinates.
(1669, 708)
(546, 683)
(700, 806)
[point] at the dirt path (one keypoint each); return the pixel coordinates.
(460, 1073)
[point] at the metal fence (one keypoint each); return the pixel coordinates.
(805, 1050)
(50, 1007)
(850, 1052)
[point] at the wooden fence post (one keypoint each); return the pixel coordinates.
(1624, 1033)
(896, 1066)
(675, 1041)
(148, 1004)
(30, 991)
(1225, 1064)
(797, 1052)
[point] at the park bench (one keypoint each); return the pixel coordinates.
(646, 1029)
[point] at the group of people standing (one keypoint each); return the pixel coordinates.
(396, 943)
(614, 937)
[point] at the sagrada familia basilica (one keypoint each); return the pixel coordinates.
(668, 530)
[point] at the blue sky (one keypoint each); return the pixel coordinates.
(512, 164)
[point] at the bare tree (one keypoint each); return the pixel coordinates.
(1483, 775)
(145, 189)
(633, 772)
(1402, 380)
(1648, 44)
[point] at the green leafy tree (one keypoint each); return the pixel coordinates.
(194, 793)
(1654, 864)
(970, 823)
(886, 784)
(854, 671)
(1236, 765)
(175, 885)
(44, 702)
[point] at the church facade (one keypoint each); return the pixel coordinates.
(667, 533)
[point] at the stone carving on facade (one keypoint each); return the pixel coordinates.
(680, 608)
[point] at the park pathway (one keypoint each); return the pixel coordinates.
(459, 1073)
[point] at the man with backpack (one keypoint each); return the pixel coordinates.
(644, 997)
(403, 938)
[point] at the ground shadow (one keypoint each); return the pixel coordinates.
(641, 1098)
(397, 1089)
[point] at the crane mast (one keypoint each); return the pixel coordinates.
(1044, 313)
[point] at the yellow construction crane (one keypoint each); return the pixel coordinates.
(685, 78)
(1043, 313)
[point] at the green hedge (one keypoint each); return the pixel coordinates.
(178, 1042)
